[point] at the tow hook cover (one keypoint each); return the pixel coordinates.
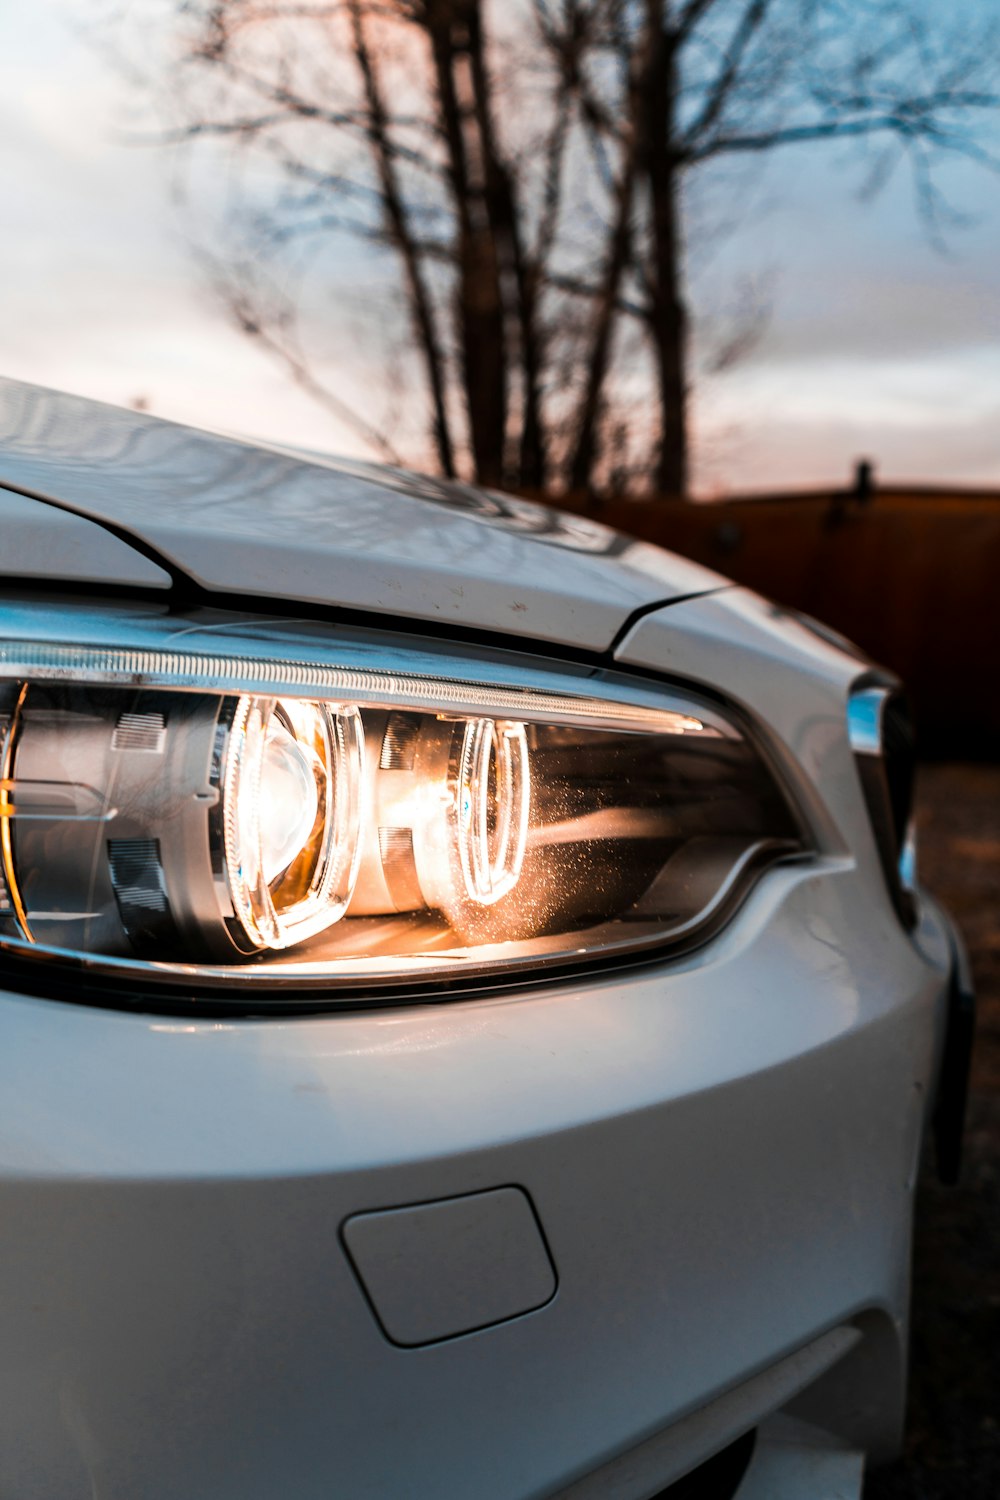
(435, 1270)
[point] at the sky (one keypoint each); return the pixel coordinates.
(876, 344)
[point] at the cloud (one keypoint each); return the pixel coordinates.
(99, 293)
(791, 424)
(878, 344)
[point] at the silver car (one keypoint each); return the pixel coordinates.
(469, 1019)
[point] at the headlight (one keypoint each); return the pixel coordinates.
(213, 803)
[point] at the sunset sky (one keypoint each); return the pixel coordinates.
(877, 345)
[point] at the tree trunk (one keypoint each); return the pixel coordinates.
(585, 452)
(516, 283)
(425, 330)
(480, 312)
(585, 447)
(668, 320)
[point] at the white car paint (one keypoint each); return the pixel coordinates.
(720, 1149)
(245, 520)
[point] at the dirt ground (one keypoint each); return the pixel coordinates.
(953, 1441)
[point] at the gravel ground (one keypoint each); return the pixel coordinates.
(953, 1440)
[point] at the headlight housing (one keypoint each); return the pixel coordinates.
(248, 809)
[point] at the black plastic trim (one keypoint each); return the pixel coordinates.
(52, 979)
(719, 1477)
(953, 1080)
(887, 779)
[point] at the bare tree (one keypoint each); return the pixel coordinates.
(523, 162)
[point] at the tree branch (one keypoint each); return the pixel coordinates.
(577, 288)
(555, 152)
(823, 130)
(505, 216)
(246, 314)
(688, 18)
(421, 307)
(290, 100)
(718, 93)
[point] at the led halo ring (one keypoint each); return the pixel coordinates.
(493, 796)
(294, 788)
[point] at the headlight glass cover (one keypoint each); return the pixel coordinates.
(219, 805)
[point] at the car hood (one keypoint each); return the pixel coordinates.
(265, 522)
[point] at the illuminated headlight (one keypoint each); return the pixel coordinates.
(292, 799)
(211, 803)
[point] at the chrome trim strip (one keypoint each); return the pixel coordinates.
(227, 653)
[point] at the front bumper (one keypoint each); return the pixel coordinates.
(721, 1153)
